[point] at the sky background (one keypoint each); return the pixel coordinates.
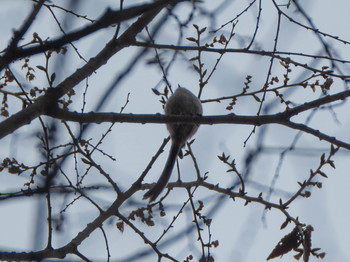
(245, 233)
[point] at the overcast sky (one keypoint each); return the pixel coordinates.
(245, 233)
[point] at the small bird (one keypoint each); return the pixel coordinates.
(182, 102)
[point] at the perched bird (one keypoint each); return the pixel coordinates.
(182, 102)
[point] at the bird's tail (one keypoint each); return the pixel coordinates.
(154, 192)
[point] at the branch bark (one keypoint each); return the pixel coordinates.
(44, 104)
(109, 18)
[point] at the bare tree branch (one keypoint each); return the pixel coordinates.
(107, 19)
(44, 103)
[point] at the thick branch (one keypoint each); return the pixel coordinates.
(109, 18)
(317, 134)
(27, 23)
(45, 102)
(208, 120)
(43, 107)
(280, 118)
(161, 119)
